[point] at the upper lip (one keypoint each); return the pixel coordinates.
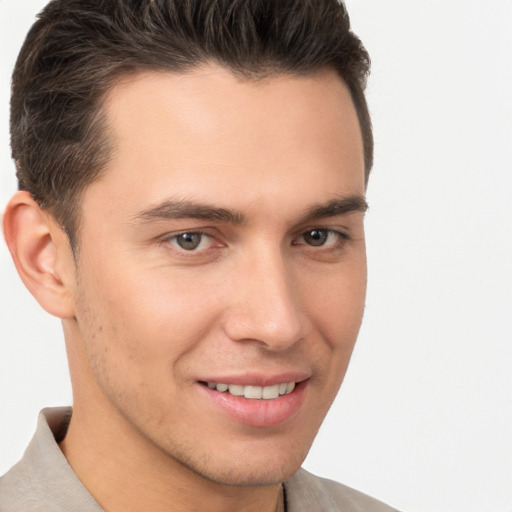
(258, 378)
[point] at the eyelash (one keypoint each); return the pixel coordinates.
(341, 238)
(174, 238)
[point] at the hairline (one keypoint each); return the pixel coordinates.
(117, 79)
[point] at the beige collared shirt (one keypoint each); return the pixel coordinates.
(43, 481)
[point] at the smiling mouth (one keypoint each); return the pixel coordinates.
(253, 392)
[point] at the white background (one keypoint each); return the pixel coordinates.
(424, 418)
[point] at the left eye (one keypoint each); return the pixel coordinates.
(320, 237)
(191, 241)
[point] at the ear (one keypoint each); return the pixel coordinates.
(41, 252)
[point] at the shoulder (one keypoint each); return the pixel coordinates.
(16, 493)
(305, 492)
(43, 481)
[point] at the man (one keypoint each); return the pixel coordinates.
(192, 193)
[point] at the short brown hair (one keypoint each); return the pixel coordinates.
(77, 50)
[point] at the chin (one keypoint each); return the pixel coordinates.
(238, 476)
(246, 468)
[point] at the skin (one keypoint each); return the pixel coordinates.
(145, 320)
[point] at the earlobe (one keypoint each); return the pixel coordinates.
(41, 254)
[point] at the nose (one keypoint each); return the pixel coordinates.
(265, 304)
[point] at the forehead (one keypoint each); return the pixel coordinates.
(208, 133)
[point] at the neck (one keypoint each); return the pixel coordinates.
(125, 473)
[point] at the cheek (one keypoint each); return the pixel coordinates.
(137, 337)
(148, 319)
(336, 311)
(338, 304)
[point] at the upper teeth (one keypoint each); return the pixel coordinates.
(255, 392)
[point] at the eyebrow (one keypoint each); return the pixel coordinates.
(181, 209)
(335, 207)
(169, 210)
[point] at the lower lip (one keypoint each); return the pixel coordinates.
(258, 413)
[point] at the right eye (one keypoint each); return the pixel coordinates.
(191, 241)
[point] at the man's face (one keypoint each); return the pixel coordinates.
(223, 246)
